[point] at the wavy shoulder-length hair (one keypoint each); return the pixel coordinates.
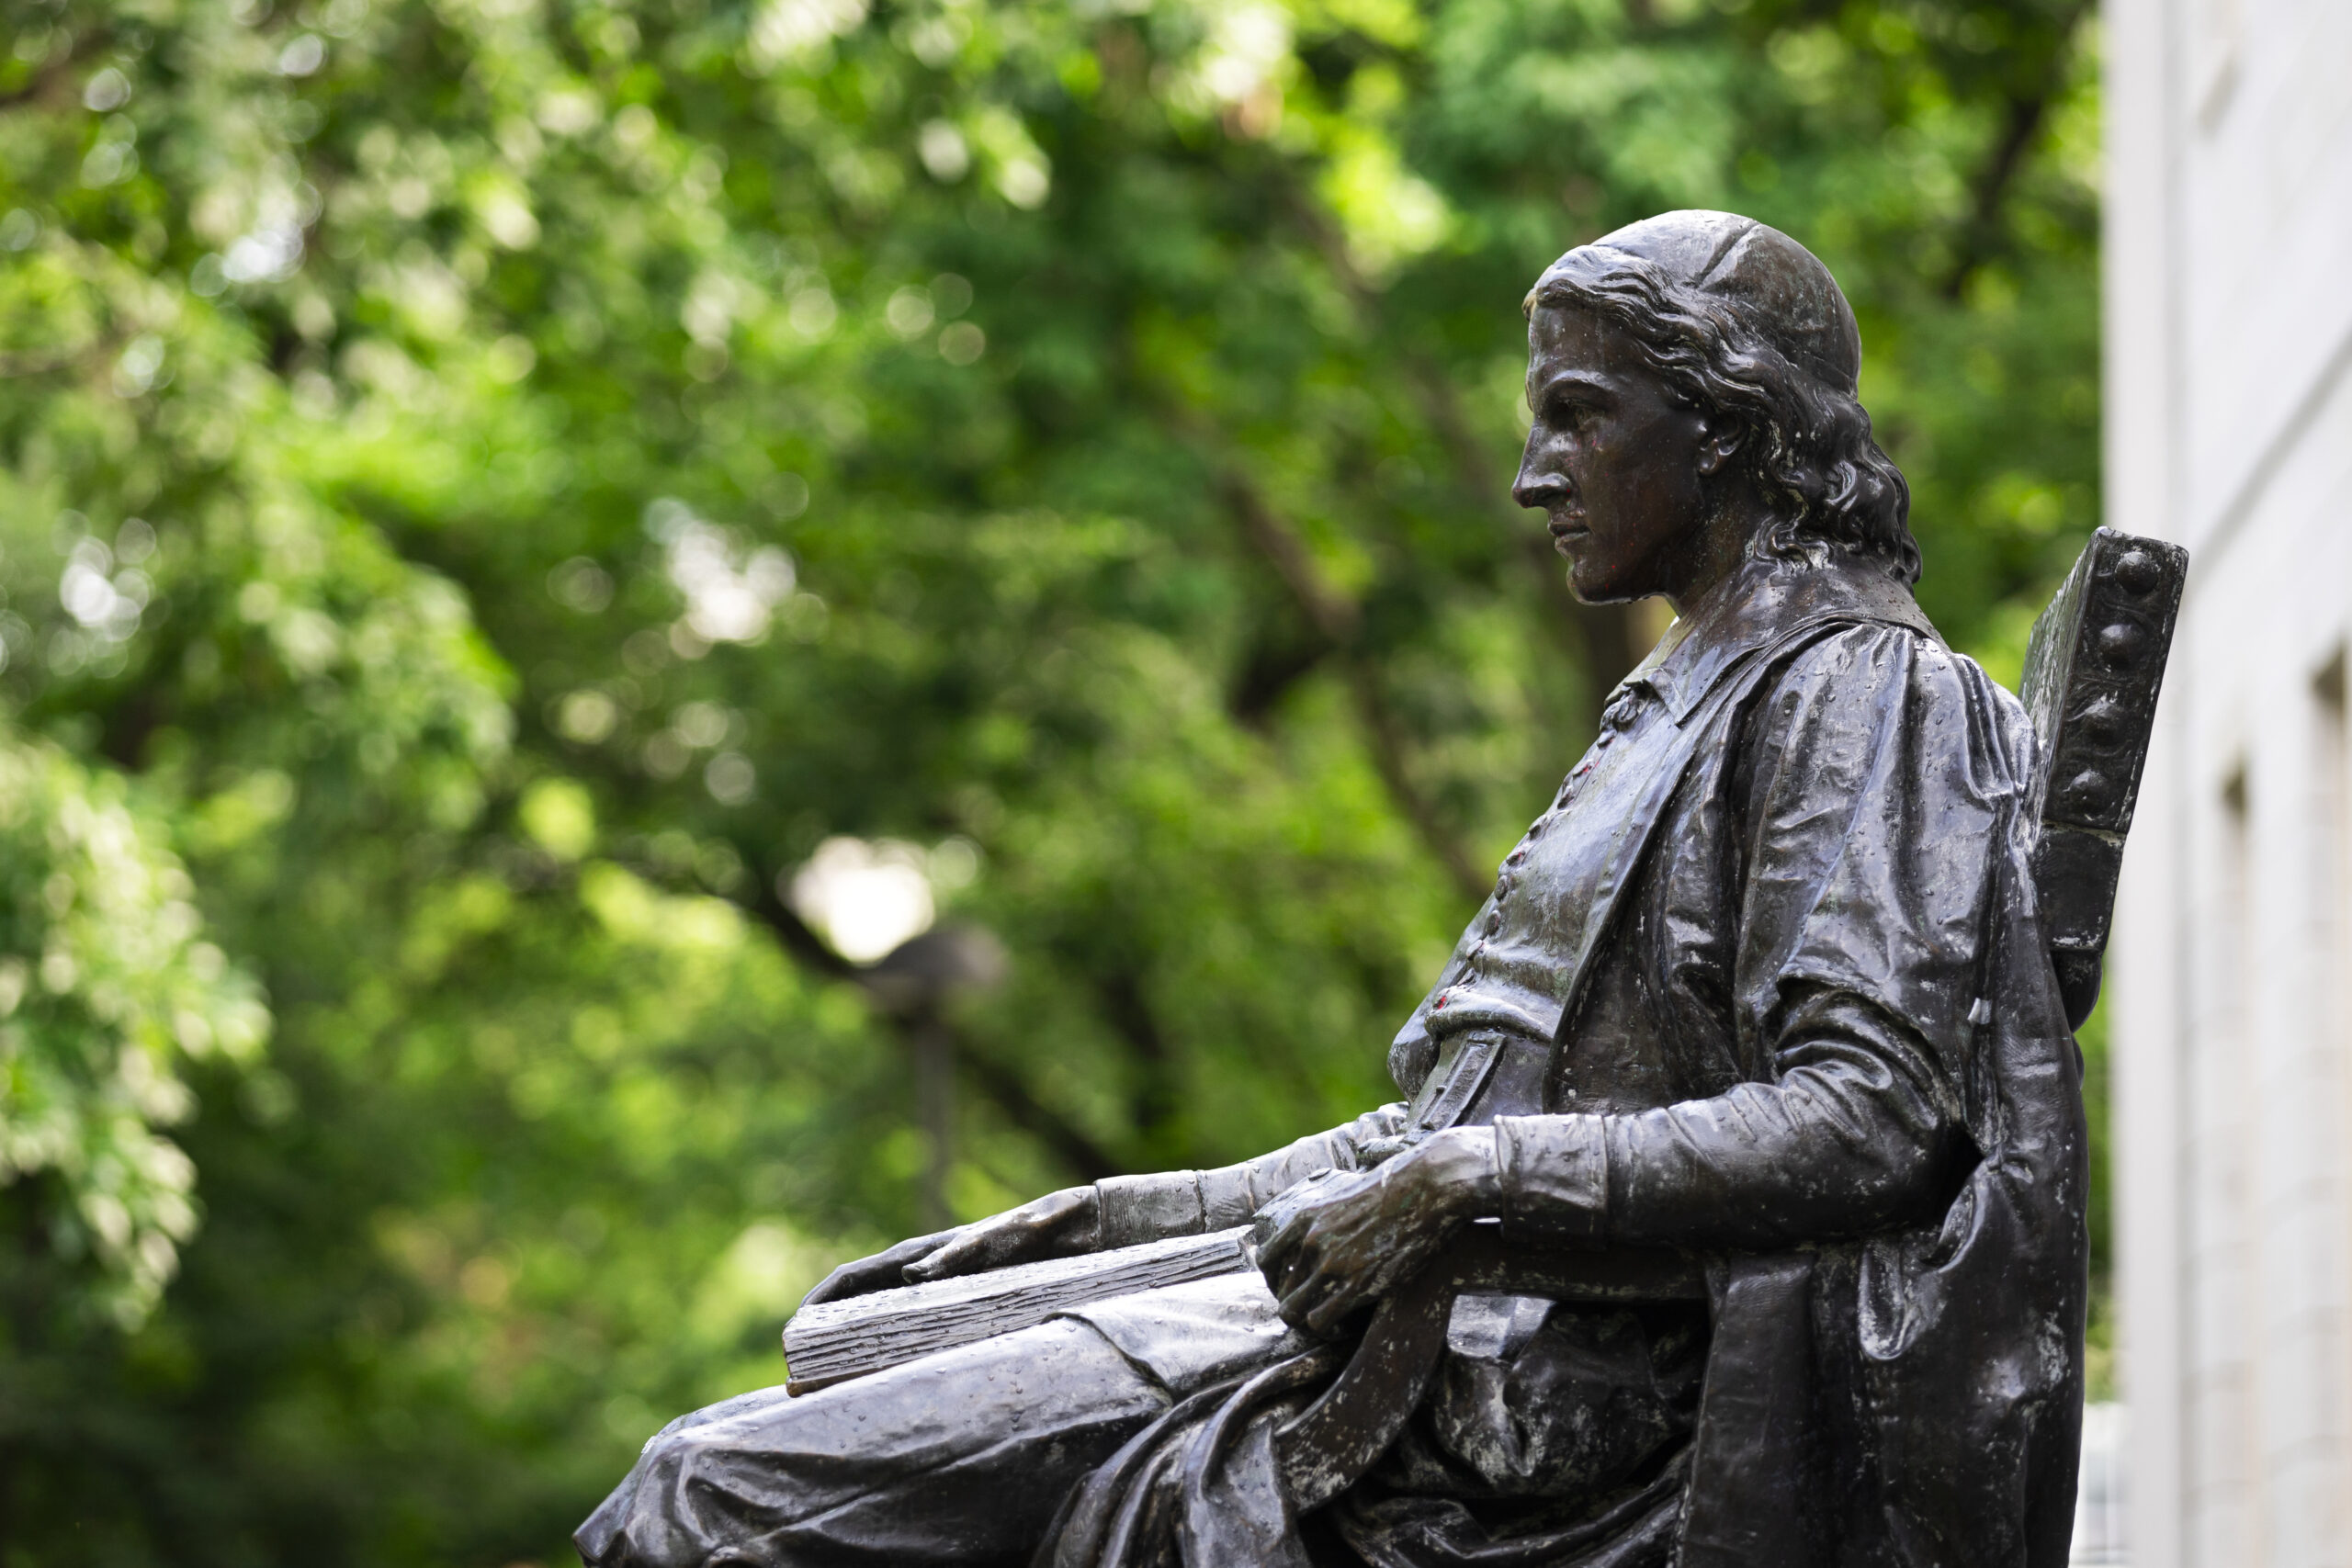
(1806, 440)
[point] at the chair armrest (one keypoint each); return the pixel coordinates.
(1328, 1445)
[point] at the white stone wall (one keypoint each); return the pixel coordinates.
(2229, 428)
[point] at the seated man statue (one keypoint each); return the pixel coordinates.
(1764, 982)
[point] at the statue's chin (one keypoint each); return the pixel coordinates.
(1593, 588)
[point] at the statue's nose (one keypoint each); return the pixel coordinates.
(1538, 486)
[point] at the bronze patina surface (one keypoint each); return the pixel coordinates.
(1732, 1211)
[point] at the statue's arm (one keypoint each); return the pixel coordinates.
(1118, 1211)
(1875, 799)
(1860, 1131)
(1187, 1202)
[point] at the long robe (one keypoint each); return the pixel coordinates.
(1766, 981)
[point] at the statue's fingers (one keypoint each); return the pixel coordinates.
(971, 1253)
(1296, 1306)
(860, 1277)
(984, 1245)
(1333, 1301)
(881, 1271)
(849, 1279)
(1275, 1254)
(1279, 1269)
(1326, 1318)
(1380, 1281)
(1017, 1236)
(1306, 1260)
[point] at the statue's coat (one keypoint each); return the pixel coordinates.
(1772, 986)
(1855, 1087)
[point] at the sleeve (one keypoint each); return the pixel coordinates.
(1873, 810)
(1188, 1203)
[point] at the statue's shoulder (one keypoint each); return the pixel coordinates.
(1862, 674)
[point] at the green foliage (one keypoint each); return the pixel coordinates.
(104, 994)
(489, 488)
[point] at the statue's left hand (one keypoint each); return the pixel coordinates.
(1059, 1224)
(885, 1270)
(1355, 1237)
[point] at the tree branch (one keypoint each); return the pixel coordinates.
(2020, 124)
(22, 363)
(1600, 638)
(1157, 1101)
(1067, 1141)
(785, 924)
(55, 75)
(1078, 1151)
(1272, 670)
(1338, 619)
(1328, 611)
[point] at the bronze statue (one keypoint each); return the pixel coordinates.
(1735, 1212)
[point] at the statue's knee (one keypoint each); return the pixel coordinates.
(675, 1450)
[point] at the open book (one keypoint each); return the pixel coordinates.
(835, 1341)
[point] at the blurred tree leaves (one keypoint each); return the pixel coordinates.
(487, 488)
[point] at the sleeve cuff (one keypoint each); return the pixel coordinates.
(1232, 1194)
(1553, 1176)
(1225, 1198)
(1148, 1208)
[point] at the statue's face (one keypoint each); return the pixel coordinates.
(1616, 466)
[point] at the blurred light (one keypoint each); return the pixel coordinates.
(109, 607)
(951, 293)
(813, 312)
(1025, 182)
(568, 112)
(956, 863)
(264, 255)
(961, 343)
(581, 584)
(701, 724)
(559, 817)
(786, 495)
(937, 39)
(942, 151)
(724, 602)
(666, 755)
(302, 56)
(510, 358)
(110, 89)
(1246, 47)
(108, 163)
(141, 363)
(865, 898)
(787, 29)
(586, 716)
(731, 780)
(509, 219)
(910, 312)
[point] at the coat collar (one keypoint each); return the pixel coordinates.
(1758, 605)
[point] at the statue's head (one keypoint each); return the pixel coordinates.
(1698, 370)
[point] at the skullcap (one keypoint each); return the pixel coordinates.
(1778, 290)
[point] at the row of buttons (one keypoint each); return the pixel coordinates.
(1613, 720)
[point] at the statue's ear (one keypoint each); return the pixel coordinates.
(1717, 445)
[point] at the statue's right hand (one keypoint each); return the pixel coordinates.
(886, 1270)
